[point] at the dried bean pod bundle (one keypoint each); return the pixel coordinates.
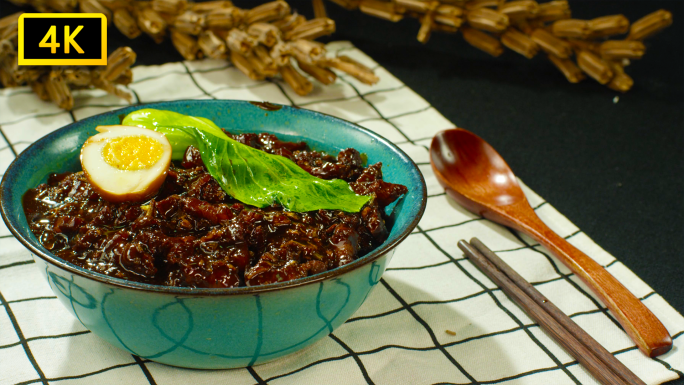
(152, 23)
(488, 20)
(281, 53)
(382, 9)
(58, 90)
(352, 67)
(553, 10)
(476, 4)
(259, 41)
(608, 25)
(267, 12)
(172, 7)
(211, 45)
(621, 81)
(240, 42)
(551, 44)
(446, 15)
(288, 23)
(526, 9)
(78, 76)
(124, 22)
(39, 89)
(346, 4)
(189, 22)
(113, 5)
(245, 66)
(568, 68)
(208, 6)
(572, 28)
(520, 43)
(319, 9)
(311, 29)
(622, 49)
(426, 23)
(94, 6)
(307, 51)
(118, 62)
(525, 26)
(264, 33)
(223, 18)
(296, 80)
(321, 74)
(650, 24)
(56, 83)
(595, 67)
(483, 41)
(185, 44)
(263, 60)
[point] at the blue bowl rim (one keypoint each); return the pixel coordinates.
(244, 290)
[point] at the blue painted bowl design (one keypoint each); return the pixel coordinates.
(215, 328)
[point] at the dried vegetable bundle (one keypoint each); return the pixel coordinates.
(54, 82)
(528, 27)
(262, 42)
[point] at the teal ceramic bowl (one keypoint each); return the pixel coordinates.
(215, 328)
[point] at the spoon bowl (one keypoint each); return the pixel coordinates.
(479, 179)
(473, 162)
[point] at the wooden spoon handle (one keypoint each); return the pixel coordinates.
(642, 326)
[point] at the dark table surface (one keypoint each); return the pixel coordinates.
(613, 167)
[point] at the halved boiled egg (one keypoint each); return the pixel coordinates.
(126, 163)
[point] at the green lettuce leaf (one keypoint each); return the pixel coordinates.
(249, 175)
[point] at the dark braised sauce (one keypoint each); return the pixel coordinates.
(193, 234)
(267, 106)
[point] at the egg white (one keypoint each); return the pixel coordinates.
(116, 185)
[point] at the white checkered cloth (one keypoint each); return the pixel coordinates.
(399, 334)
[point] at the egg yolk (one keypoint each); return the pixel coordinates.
(131, 153)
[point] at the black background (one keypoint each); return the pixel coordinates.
(89, 38)
(616, 170)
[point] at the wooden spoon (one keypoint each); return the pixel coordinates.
(478, 178)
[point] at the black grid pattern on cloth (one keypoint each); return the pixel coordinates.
(202, 82)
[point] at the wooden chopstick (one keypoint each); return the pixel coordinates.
(599, 351)
(613, 373)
